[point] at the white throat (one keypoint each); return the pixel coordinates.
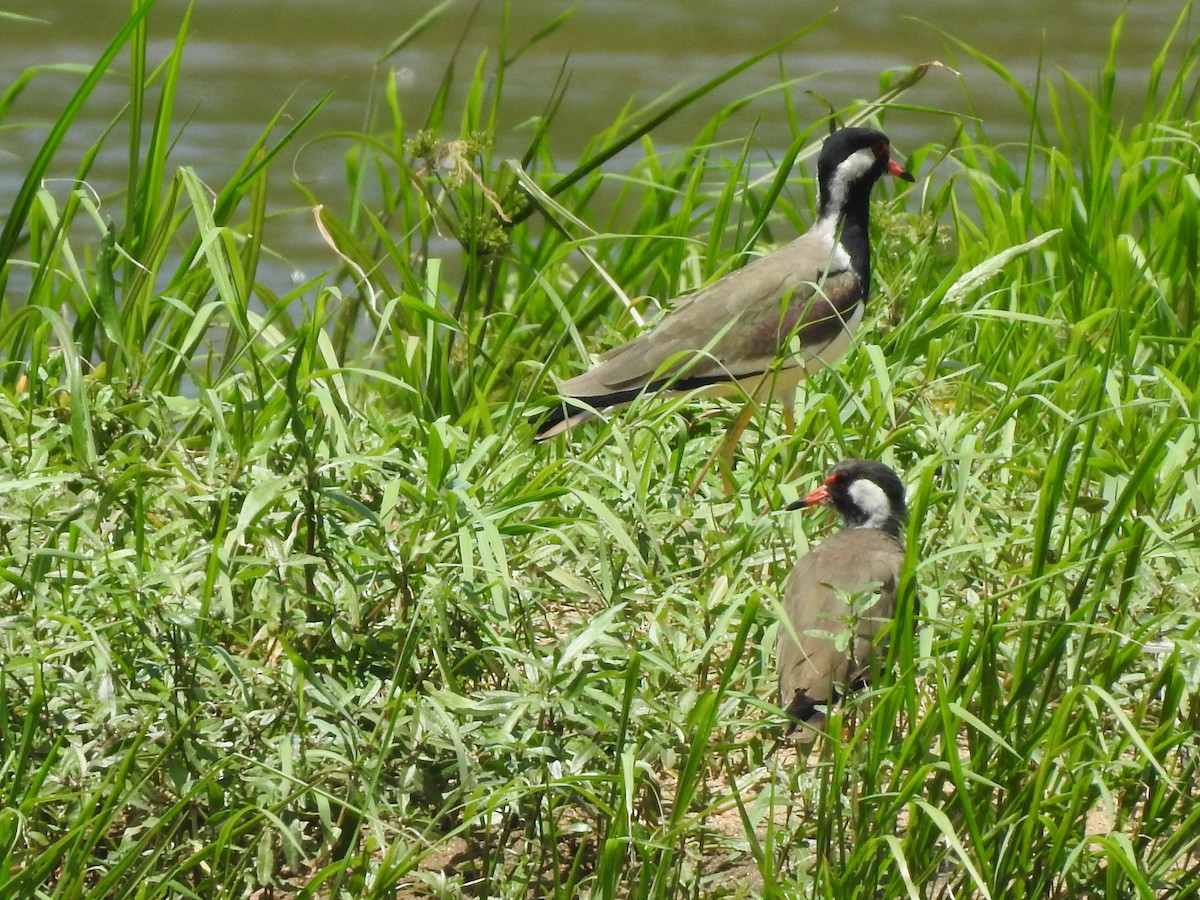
(874, 503)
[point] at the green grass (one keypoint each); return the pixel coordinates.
(290, 599)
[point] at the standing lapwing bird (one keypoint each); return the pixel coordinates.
(762, 328)
(841, 593)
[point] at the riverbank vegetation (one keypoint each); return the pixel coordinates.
(293, 604)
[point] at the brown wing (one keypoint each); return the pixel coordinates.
(737, 326)
(825, 644)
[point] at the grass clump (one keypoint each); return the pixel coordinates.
(291, 601)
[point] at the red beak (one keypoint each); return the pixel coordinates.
(895, 169)
(815, 498)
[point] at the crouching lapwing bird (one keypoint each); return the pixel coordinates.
(841, 593)
(760, 329)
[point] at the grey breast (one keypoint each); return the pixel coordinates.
(836, 600)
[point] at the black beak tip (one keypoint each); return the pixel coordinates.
(796, 504)
(906, 176)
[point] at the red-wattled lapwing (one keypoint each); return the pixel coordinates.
(841, 593)
(762, 328)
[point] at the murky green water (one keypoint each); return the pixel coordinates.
(248, 58)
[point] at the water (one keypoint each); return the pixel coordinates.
(246, 59)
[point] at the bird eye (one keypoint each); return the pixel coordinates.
(881, 149)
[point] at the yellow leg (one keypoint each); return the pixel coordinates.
(725, 453)
(729, 445)
(789, 411)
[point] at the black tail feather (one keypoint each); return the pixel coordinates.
(556, 415)
(573, 406)
(803, 709)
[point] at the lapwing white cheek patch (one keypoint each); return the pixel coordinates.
(849, 170)
(856, 165)
(870, 498)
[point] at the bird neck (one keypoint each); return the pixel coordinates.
(849, 213)
(888, 525)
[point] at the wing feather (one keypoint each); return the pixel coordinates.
(737, 326)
